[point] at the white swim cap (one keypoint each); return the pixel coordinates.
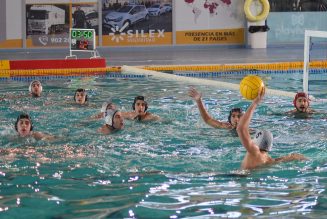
(264, 139)
(110, 113)
(105, 105)
(31, 84)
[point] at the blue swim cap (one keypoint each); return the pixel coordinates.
(264, 140)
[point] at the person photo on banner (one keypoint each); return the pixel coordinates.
(79, 18)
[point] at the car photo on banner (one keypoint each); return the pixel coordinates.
(126, 16)
(167, 8)
(92, 21)
(136, 22)
(156, 10)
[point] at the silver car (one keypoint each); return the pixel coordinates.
(156, 10)
(126, 16)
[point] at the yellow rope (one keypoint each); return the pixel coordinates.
(282, 66)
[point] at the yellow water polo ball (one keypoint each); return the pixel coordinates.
(250, 86)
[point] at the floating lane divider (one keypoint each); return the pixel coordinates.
(280, 66)
(16, 69)
(84, 68)
(56, 72)
(196, 81)
(54, 67)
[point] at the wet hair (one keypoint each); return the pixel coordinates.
(140, 98)
(300, 94)
(23, 116)
(264, 140)
(80, 90)
(239, 110)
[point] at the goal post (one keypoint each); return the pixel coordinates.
(308, 35)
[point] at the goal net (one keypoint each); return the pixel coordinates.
(314, 64)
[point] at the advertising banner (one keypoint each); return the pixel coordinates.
(85, 15)
(48, 22)
(297, 5)
(289, 27)
(133, 22)
(30, 2)
(209, 22)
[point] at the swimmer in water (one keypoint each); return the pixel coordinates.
(105, 106)
(233, 118)
(24, 128)
(114, 122)
(35, 90)
(258, 148)
(301, 103)
(140, 107)
(80, 96)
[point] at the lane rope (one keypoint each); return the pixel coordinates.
(197, 81)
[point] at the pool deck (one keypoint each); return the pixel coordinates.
(175, 55)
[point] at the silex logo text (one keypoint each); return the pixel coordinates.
(118, 35)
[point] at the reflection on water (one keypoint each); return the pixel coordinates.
(235, 196)
(176, 168)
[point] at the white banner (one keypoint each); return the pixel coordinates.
(209, 14)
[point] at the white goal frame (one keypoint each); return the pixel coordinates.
(308, 34)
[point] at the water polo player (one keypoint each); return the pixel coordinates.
(140, 113)
(301, 103)
(233, 117)
(80, 96)
(114, 121)
(258, 148)
(24, 128)
(35, 88)
(105, 106)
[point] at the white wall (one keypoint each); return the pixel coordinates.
(2, 20)
(14, 19)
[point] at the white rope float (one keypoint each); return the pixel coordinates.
(197, 81)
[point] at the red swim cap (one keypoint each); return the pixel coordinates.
(300, 94)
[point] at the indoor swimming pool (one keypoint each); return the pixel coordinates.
(178, 167)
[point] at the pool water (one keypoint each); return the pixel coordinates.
(292, 80)
(176, 168)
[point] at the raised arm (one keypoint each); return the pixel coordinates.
(243, 125)
(204, 113)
